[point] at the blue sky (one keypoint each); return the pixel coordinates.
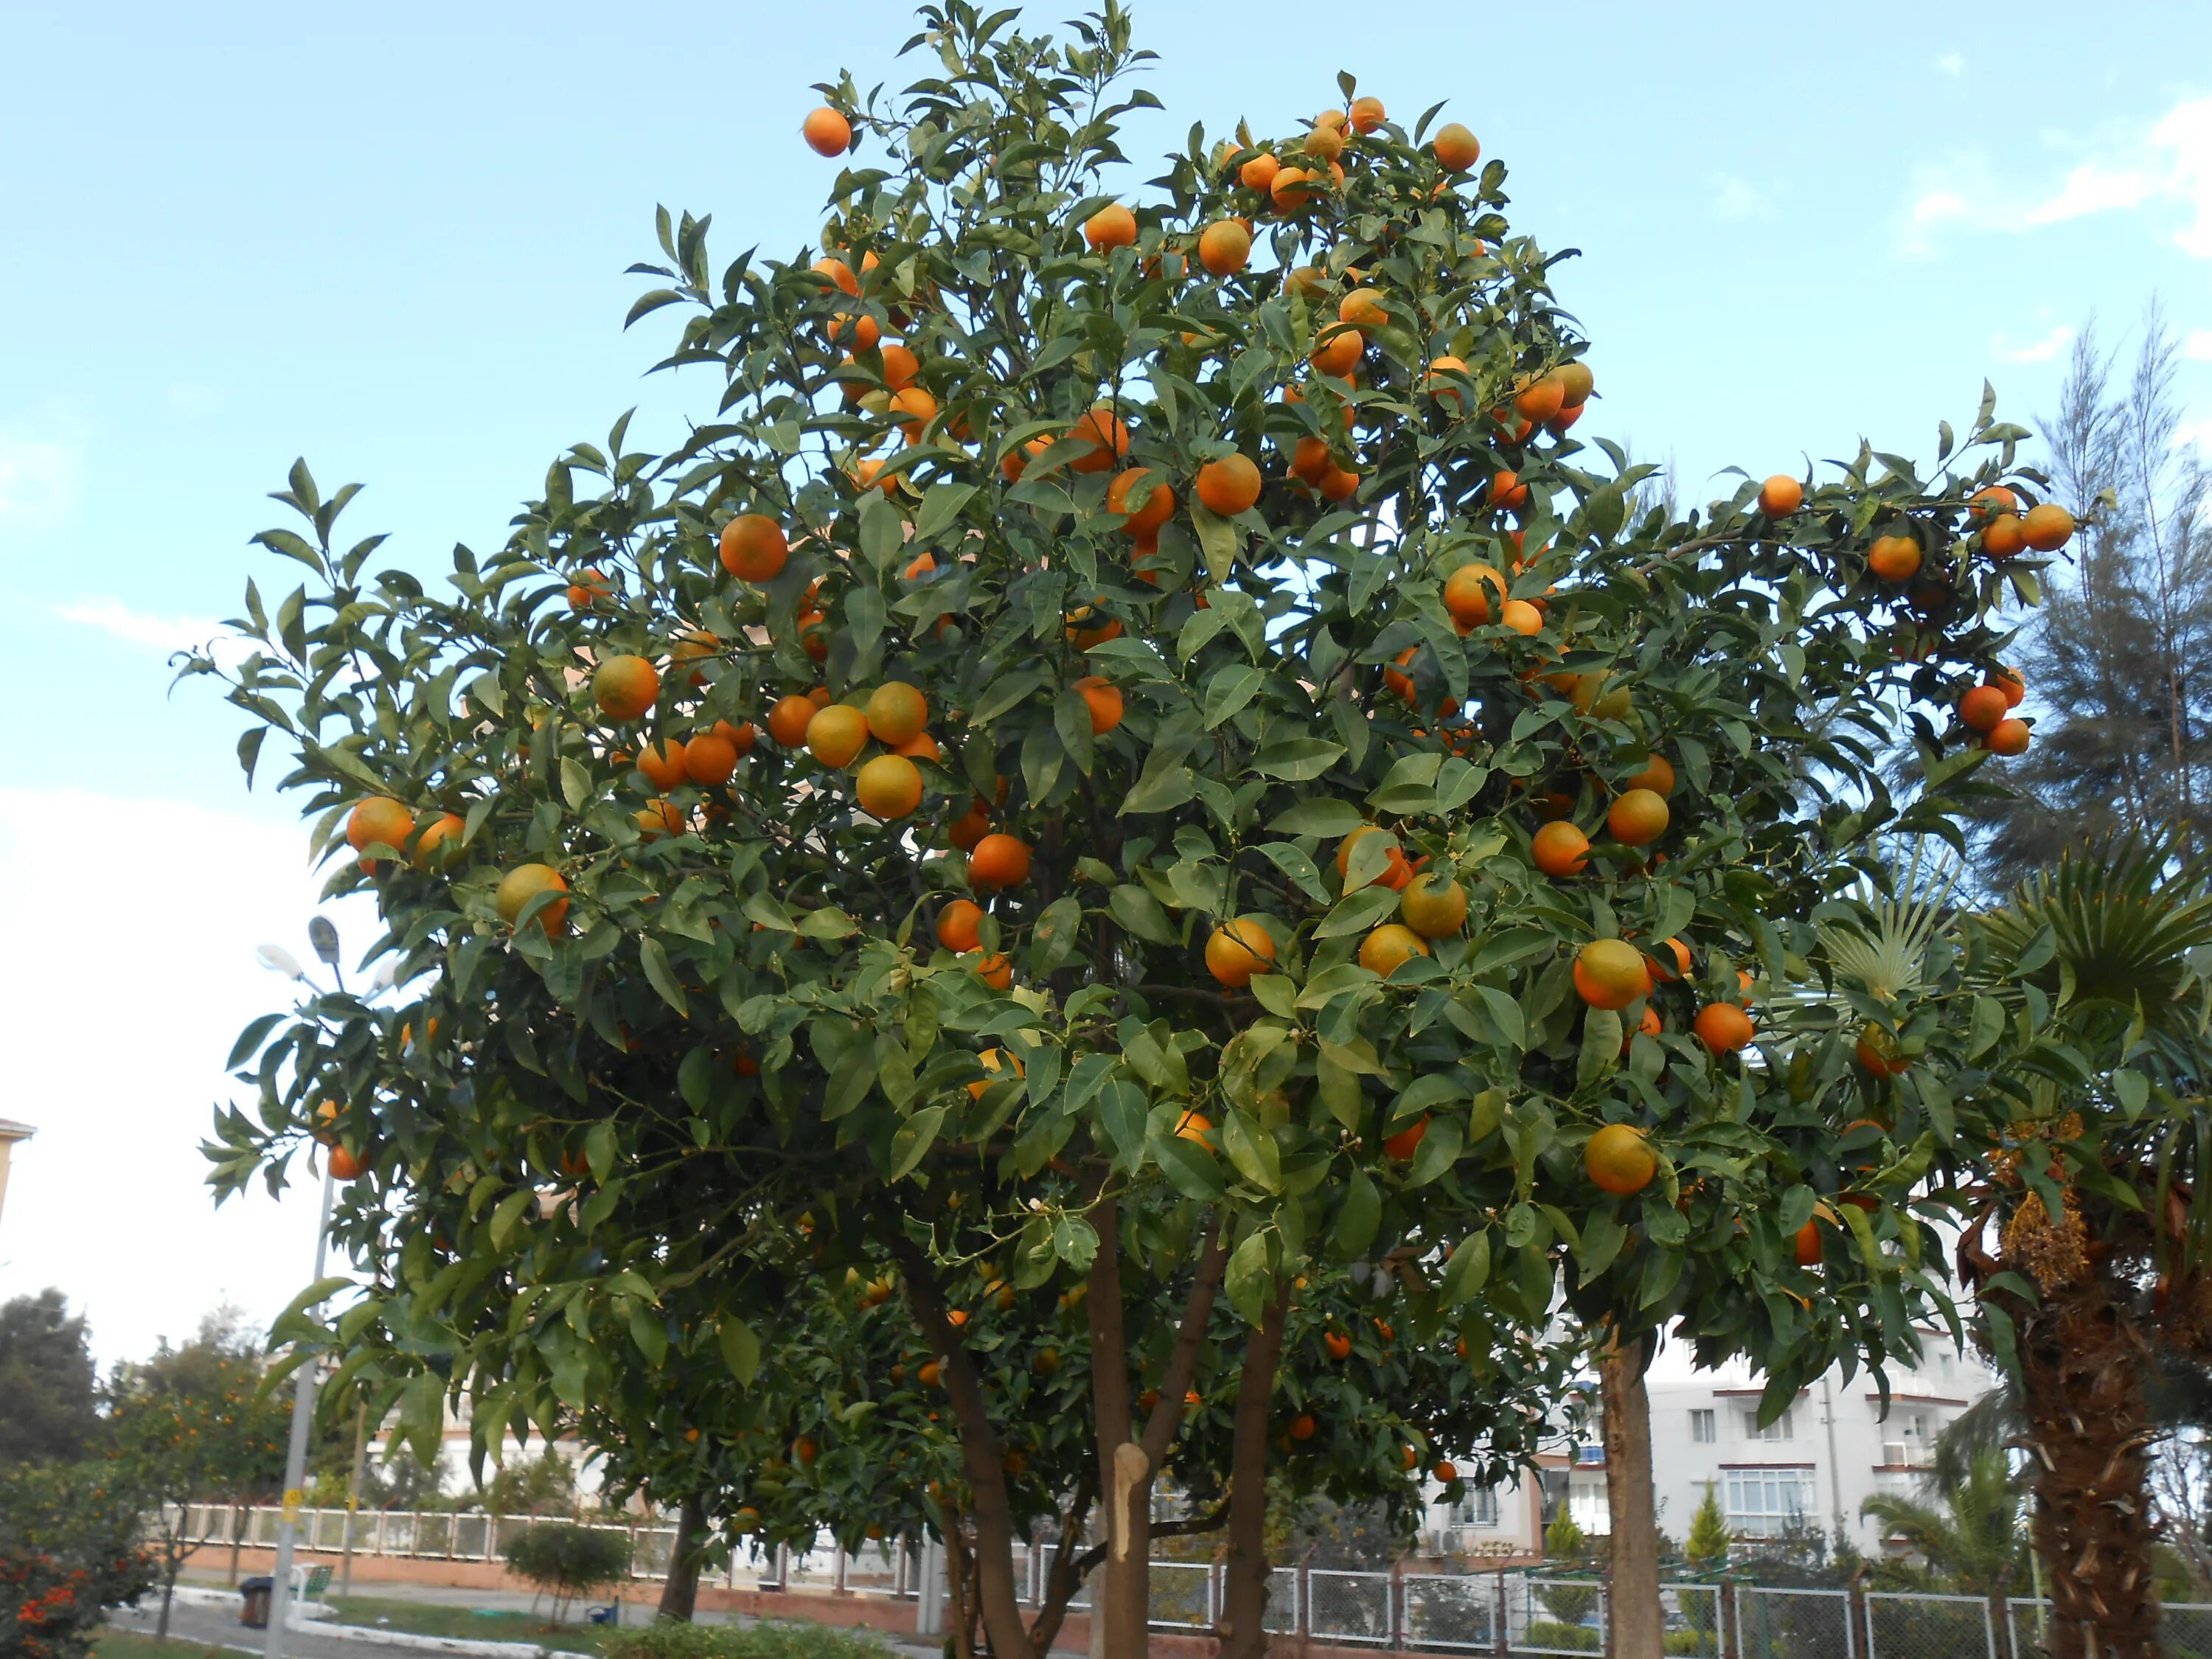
(394, 242)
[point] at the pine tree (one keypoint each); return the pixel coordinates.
(2119, 665)
(1708, 1544)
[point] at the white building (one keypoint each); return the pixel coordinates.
(1811, 1468)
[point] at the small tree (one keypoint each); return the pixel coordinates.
(1708, 1544)
(46, 1378)
(566, 1561)
(543, 1485)
(68, 1550)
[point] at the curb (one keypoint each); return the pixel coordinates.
(400, 1639)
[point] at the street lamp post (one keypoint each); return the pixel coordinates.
(324, 938)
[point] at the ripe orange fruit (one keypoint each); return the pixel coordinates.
(1325, 142)
(2004, 536)
(1808, 1241)
(998, 1066)
(1086, 629)
(1363, 308)
(658, 818)
(1102, 438)
(1560, 849)
(1238, 949)
(1338, 484)
(1015, 462)
(1657, 776)
(836, 734)
(1339, 1345)
(1435, 383)
(897, 712)
(2048, 527)
(1303, 1426)
(1670, 962)
(1468, 593)
(788, 720)
(1506, 490)
(431, 847)
(625, 687)
(1259, 172)
(1366, 114)
(1781, 496)
(998, 860)
(870, 475)
(1619, 1160)
(994, 970)
(1637, 817)
(855, 329)
(1113, 225)
(1103, 698)
(827, 132)
(1389, 947)
(929, 1370)
(1609, 973)
(919, 746)
(525, 883)
(344, 1166)
(1396, 874)
(1290, 189)
(1434, 905)
(2010, 685)
(888, 786)
(967, 831)
(709, 758)
(1522, 617)
(2008, 737)
(378, 818)
(839, 274)
(663, 763)
(1407, 1141)
(1339, 350)
(1992, 503)
(1154, 507)
(1540, 398)
(959, 926)
(1876, 1051)
(1456, 147)
(590, 588)
(1983, 707)
(1647, 1023)
(1579, 382)
(1894, 558)
(1230, 485)
(901, 365)
(913, 407)
(1446, 1472)
(1722, 1027)
(1225, 247)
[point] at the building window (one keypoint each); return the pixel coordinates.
(1779, 1429)
(1704, 1427)
(1478, 1509)
(1764, 1503)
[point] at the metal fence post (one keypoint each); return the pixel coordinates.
(1394, 1594)
(1501, 1614)
(1303, 1623)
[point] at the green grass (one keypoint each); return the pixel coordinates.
(431, 1619)
(129, 1645)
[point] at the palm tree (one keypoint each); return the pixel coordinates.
(2088, 1251)
(1975, 1538)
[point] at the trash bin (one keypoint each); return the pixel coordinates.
(256, 1592)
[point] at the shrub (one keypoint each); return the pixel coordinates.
(1549, 1633)
(752, 1641)
(565, 1562)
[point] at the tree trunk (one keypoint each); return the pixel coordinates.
(997, 1596)
(1637, 1628)
(680, 1596)
(1122, 1602)
(171, 1566)
(237, 1539)
(1243, 1629)
(2083, 1367)
(959, 1591)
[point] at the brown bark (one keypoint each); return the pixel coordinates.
(1123, 1600)
(1243, 1629)
(959, 1591)
(1637, 1629)
(998, 1597)
(2082, 1364)
(680, 1596)
(1066, 1574)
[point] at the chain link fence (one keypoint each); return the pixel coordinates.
(1793, 1624)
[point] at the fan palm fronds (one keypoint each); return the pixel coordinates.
(1889, 957)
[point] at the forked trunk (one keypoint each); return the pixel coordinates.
(2082, 1365)
(1243, 1627)
(679, 1594)
(1637, 1628)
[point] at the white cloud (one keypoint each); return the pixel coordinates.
(39, 481)
(2199, 345)
(1952, 63)
(2196, 433)
(2040, 351)
(2163, 173)
(1735, 199)
(154, 633)
(138, 921)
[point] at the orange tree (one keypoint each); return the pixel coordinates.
(1136, 746)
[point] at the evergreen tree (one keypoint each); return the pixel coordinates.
(1708, 1544)
(2119, 665)
(46, 1380)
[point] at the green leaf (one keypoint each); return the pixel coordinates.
(508, 1215)
(1361, 1214)
(1467, 1270)
(1601, 1050)
(939, 507)
(600, 1150)
(1054, 938)
(662, 976)
(1599, 1243)
(1162, 788)
(1358, 912)
(1277, 994)
(1321, 815)
(1189, 1167)
(1141, 914)
(914, 1139)
(1217, 538)
(1253, 1151)
(828, 923)
(1291, 859)
(649, 1333)
(1229, 688)
(741, 1349)
(575, 783)
(1297, 760)
(1439, 1150)
(1246, 1279)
